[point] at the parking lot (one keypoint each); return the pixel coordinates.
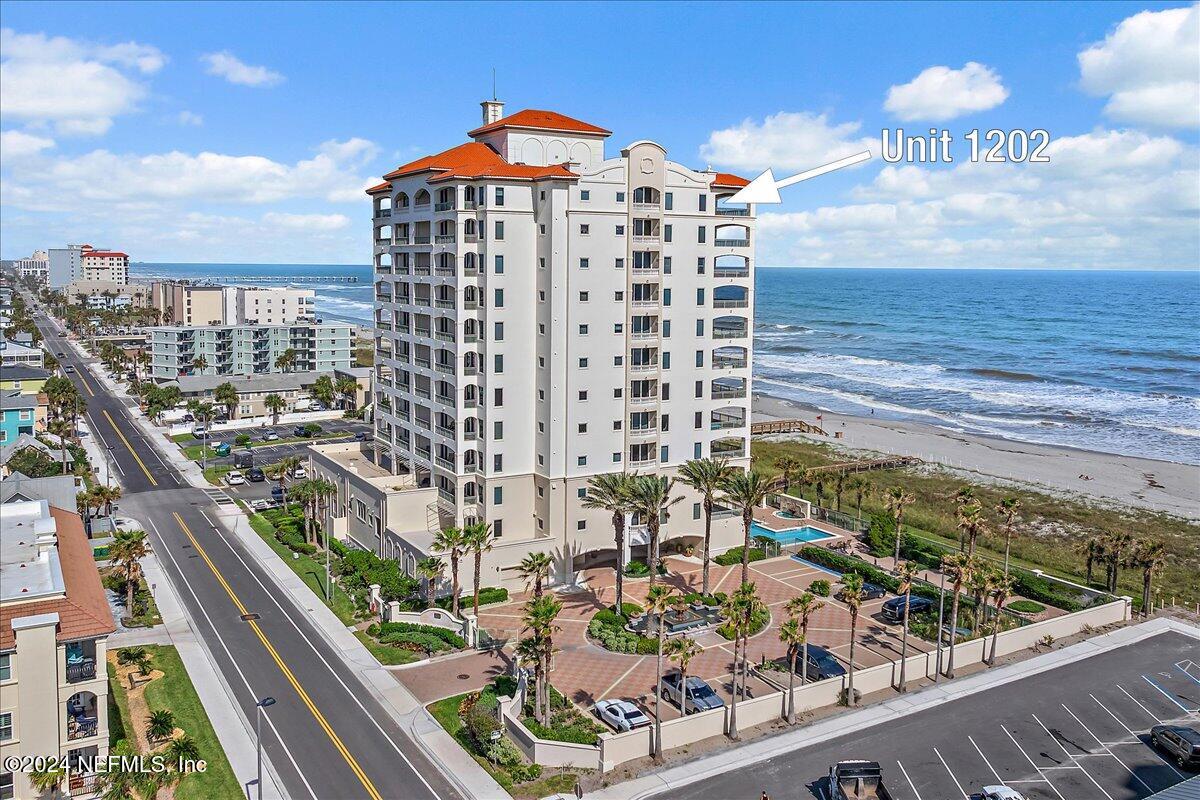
(586, 673)
(1078, 732)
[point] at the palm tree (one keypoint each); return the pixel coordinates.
(861, 488)
(896, 501)
(348, 389)
(839, 486)
(109, 495)
(200, 363)
(1116, 550)
(971, 523)
(803, 479)
(1149, 556)
(275, 404)
(183, 749)
(135, 656)
(740, 609)
(62, 429)
(478, 541)
(610, 493)
(453, 541)
(650, 495)
(788, 467)
(46, 777)
(286, 360)
(279, 470)
(1008, 508)
(907, 572)
(793, 639)
(1002, 587)
(681, 650)
(304, 493)
(126, 552)
(540, 614)
(803, 607)
(226, 395)
(431, 569)
(705, 475)
(746, 491)
(323, 490)
(965, 495)
(535, 570)
(959, 568)
(323, 390)
(160, 725)
(658, 600)
(852, 596)
(1093, 551)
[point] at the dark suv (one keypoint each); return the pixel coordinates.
(870, 591)
(893, 610)
(1180, 743)
(821, 664)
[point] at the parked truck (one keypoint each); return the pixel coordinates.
(857, 780)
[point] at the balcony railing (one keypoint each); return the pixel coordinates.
(448, 369)
(470, 238)
(646, 206)
(82, 671)
(733, 212)
(732, 242)
(442, 303)
(723, 423)
(444, 399)
(425, 332)
(731, 272)
(731, 303)
(469, 205)
(420, 240)
(729, 451)
(82, 727)
(383, 212)
(445, 272)
(722, 393)
(647, 367)
(643, 399)
(728, 333)
(445, 431)
(445, 336)
(641, 461)
(447, 205)
(444, 463)
(644, 334)
(649, 430)
(726, 362)
(444, 238)
(645, 238)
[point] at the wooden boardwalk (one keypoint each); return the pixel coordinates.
(867, 464)
(785, 426)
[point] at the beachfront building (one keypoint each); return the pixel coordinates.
(294, 387)
(54, 624)
(546, 313)
(65, 264)
(105, 294)
(108, 266)
(35, 267)
(185, 303)
(177, 350)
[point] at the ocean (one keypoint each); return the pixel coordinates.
(1100, 360)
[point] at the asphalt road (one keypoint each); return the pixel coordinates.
(1078, 732)
(326, 736)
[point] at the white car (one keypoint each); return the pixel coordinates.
(235, 478)
(270, 436)
(1000, 793)
(622, 715)
(299, 472)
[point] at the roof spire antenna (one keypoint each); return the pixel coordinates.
(493, 83)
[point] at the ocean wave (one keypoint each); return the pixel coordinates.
(1169, 355)
(1003, 374)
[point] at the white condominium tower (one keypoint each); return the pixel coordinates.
(546, 314)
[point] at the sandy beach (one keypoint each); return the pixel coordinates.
(1157, 485)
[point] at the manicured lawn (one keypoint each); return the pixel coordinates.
(309, 570)
(180, 438)
(446, 713)
(118, 710)
(216, 475)
(174, 691)
(386, 654)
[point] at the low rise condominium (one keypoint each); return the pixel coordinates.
(183, 303)
(247, 349)
(547, 313)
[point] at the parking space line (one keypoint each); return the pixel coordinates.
(1136, 777)
(1153, 749)
(1031, 763)
(956, 783)
(1139, 705)
(1072, 758)
(624, 675)
(1184, 670)
(1167, 695)
(971, 739)
(911, 785)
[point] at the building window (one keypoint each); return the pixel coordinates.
(499, 265)
(499, 332)
(6, 726)
(541, 263)
(498, 397)
(500, 201)
(666, 329)
(699, 358)
(619, 297)
(7, 790)
(699, 388)
(704, 202)
(700, 297)
(581, 525)
(498, 528)
(499, 298)
(666, 233)
(618, 327)
(583, 395)
(666, 360)
(618, 361)
(620, 197)
(584, 263)
(666, 391)
(499, 231)
(583, 363)
(585, 194)
(695, 511)
(585, 229)
(616, 457)
(581, 461)
(666, 265)
(699, 420)
(700, 234)
(583, 297)
(620, 263)
(617, 392)
(620, 230)
(669, 201)
(662, 454)
(666, 297)
(5, 666)
(581, 492)
(497, 430)
(583, 330)
(498, 462)
(583, 427)
(617, 424)
(498, 495)
(697, 450)
(498, 365)
(666, 422)
(699, 327)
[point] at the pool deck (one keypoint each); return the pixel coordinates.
(770, 519)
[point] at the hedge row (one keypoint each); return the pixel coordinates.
(734, 556)
(449, 637)
(868, 572)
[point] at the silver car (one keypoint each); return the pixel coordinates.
(622, 715)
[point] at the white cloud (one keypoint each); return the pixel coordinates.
(77, 86)
(787, 140)
(940, 93)
(307, 222)
(189, 118)
(228, 66)
(1106, 199)
(1148, 68)
(15, 144)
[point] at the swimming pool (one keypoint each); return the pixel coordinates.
(791, 535)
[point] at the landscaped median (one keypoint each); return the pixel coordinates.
(158, 712)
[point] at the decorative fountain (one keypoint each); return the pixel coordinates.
(680, 618)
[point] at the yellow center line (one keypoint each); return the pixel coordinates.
(83, 380)
(333, 737)
(129, 447)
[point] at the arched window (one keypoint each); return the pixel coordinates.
(401, 200)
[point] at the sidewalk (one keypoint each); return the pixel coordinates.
(840, 725)
(455, 763)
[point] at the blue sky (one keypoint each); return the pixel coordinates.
(235, 132)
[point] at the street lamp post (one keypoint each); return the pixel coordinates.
(941, 611)
(259, 706)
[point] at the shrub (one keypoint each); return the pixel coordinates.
(607, 628)
(1026, 607)
(506, 754)
(820, 588)
(372, 629)
(627, 609)
(480, 725)
(881, 535)
(504, 686)
(734, 556)
(447, 637)
(636, 569)
(706, 599)
(608, 617)
(487, 596)
(523, 773)
(242, 439)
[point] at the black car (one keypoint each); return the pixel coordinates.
(361, 436)
(820, 665)
(893, 610)
(256, 475)
(870, 591)
(1181, 744)
(299, 431)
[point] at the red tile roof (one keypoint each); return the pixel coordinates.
(729, 179)
(541, 120)
(476, 160)
(84, 612)
(383, 187)
(104, 254)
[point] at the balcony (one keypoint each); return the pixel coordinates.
(647, 207)
(444, 271)
(731, 272)
(643, 400)
(447, 205)
(719, 392)
(443, 303)
(423, 391)
(732, 242)
(444, 399)
(651, 333)
(729, 332)
(84, 670)
(728, 448)
(649, 366)
(469, 205)
(445, 431)
(724, 421)
(445, 336)
(82, 721)
(445, 463)
(643, 432)
(421, 239)
(730, 303)
(729, 362)
(444, 238)
(732, 212)
(383, 213)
